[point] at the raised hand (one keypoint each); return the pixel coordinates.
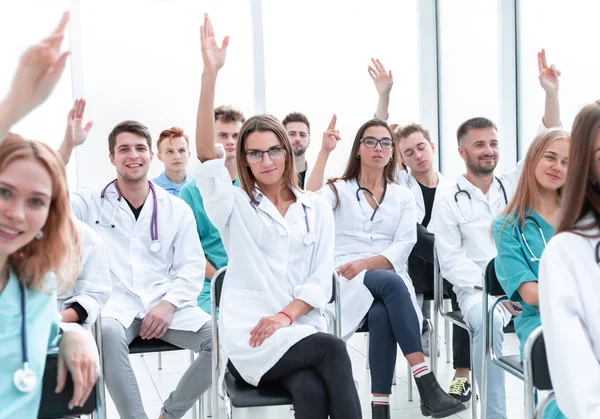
(76, 133)
(213, 56)
(383, 79)
(548, 76)
(331, 136)
(38, 71)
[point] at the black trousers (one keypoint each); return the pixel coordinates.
(318, 373)
(420, 269)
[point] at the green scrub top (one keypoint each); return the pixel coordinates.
(42, 319)
(515, 267)
(214, 251)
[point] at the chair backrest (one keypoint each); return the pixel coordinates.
(541, 372)
(491, 283)
(57, 405)
(219, 277)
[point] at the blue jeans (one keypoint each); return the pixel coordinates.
(496, 392)
(392, 321)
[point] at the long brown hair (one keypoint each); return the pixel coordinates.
(582, 192)
(527, 194)
(353, 166)
(263, 123)
(59, 248)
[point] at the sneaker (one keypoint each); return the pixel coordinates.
(460, 389)
(426, 344)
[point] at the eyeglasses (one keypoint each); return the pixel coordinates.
(371, 142)
(275, 153)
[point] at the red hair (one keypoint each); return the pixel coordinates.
(173, 132)
(59, 248)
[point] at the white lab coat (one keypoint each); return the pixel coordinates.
(269, 267)
(93, 287)
(393, 235)
(464, 240)
(568, 296)
(140, 278)
(406, 179)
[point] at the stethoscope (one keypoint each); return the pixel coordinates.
(309, 238)
(369, 223)
(155, 246)
(459, 191)
(25, 379)
(598, 253)
(533, 258)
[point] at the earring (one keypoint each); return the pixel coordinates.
(358, 156)
(39, 235)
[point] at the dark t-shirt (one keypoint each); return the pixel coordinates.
(301, 179)
(428, 197)
(136, 211)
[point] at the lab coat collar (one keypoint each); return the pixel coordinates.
(472, 189)
(301, 196)
(160, 193)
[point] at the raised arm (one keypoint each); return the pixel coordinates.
(36, 76)
(330, 139)
(75, 133)
(548, 77)
(213, 57)
(383, 83)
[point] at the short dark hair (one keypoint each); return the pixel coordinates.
(410, 129)
(132, 127)
(296, 117)
(227, 113)
(474, 123)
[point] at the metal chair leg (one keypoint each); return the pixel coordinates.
(410, 381)
(474, 387)
(447, 332)
(197, 408)
(160, 361)
(367, 357)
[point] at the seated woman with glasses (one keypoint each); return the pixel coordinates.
(375, 231)
(527, 224)
(279, 240)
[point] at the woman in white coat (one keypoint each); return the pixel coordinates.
(568, 277)
(375, 231)
(279, 240)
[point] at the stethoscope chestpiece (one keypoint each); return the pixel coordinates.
(309, 239)
(368, 225)
(25, 379)
(155, 246)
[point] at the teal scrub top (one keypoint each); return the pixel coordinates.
(214, 251)
(174, 189)
(515, 267)
(42, 320)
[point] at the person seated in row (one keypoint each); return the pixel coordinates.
(156, 262)
(527, 224)
(280, 243)
(39, 247)
(174, 152)
(228, 122)
(568, 289)
(375, 231)
(84, 301)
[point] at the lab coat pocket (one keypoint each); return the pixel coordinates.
(242, 309)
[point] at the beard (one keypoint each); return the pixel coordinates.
(300, 151)
(478, 170)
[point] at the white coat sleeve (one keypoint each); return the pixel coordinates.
(405, 236)
(188, 262)
(93, 287)
(80, 201)
(456, 267)
(327, 193)
(574, 368)
(217, 190)
(316, 291)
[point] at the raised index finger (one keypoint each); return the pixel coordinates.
(544, 62)
(60, 29)
(332, 123)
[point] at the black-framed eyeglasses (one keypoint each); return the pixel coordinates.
(256, 156)
(384, 142)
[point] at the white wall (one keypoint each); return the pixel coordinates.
(141, 60)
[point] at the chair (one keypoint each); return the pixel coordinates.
(511, 364)
(240, 394)
(454, 317)
(142, 346)
(537, 375)
(57, 405)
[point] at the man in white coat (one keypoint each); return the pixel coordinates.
(84, 301)
(156, 265)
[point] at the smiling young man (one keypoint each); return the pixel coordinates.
(155, 261)
(173, 150)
